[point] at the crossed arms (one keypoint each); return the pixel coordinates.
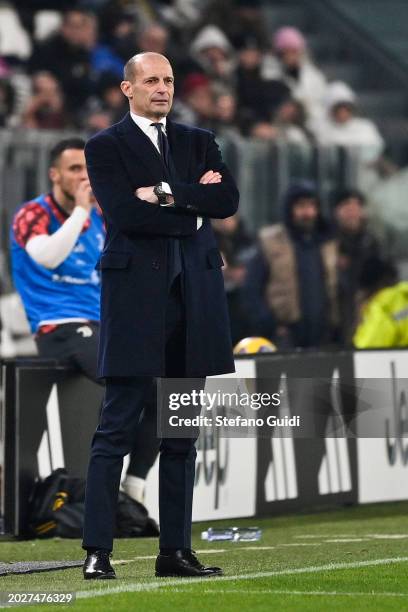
(132, 213)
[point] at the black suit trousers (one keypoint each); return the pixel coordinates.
(114, 438)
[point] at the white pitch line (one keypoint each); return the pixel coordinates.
(300, 544)
(209, 551)
(326, 535)
(214, 551)
(388, 536)
(335, 540)
(288, 592)
(133, 587)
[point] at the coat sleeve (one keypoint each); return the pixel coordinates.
(114, 194)
(218, 200)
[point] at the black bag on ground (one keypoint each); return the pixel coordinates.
(57, 509)
(57, 506)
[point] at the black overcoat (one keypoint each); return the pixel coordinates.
(133, 263)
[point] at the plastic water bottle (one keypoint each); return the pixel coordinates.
(232, 534)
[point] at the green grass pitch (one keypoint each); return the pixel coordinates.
(354, 558)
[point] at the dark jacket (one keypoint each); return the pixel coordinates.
(134, 261)
(291, 288)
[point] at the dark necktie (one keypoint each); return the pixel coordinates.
(175, 257)
(163, 145)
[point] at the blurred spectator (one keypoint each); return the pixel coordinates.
(197, 104)
(67, 55)
(97, 120)
(237, 247)
(290, 292)
(384, 307)
(183, 13)
(117, 29)
(258, 99)
(226, 114)
(290, 119)
(356, 245)
(292, 65)
(238, 18)
(153, 37)
(106, 108)
(46, 108)
(344, 128)
(15, 42)
(263, 130)
(215, 54)
(288, 125)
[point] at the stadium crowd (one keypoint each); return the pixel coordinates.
(298, 282)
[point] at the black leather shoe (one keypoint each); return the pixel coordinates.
(97, 566)
(183, 563)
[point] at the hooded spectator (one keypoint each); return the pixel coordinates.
(344, 128)
(292, 65)
(291, 286)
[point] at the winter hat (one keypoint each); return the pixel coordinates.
(341, 195)
(339, 93)
(210, 36)
(194, 81)
(289, 38)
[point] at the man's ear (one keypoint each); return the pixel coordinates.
(53, 174)
(126, 87)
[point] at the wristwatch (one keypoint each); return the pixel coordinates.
(162, 190)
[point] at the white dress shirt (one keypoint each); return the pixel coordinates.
(151, 132)
(149, 129)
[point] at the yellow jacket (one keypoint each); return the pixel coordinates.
(384, 321)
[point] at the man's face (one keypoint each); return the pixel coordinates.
(350, 215)
(342, 113)
(201, 100)
(68, 171)
(304, 214)
(153, 39)
(292, 58)
(80, 29)
(152, 88)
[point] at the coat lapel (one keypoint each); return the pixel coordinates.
(146, 152)
(142, 147)
(179, 143)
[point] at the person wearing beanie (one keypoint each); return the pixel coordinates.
(196, 104)
(342, 126)
(291, 63)
(290, 293)
(383, 307)
(212, 50)
(356, 245)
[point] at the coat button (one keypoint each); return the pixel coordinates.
(155, 265)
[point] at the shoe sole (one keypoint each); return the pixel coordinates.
(214, 575)
(99, 577)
